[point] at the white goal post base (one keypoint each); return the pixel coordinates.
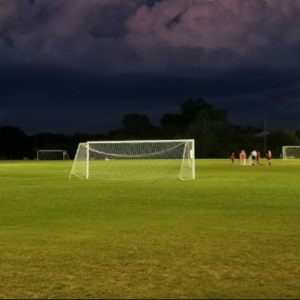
(52, 155)
(135, 160)
(290, 152)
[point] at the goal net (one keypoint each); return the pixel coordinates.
(135, 160)
(291, 152)
(52, 155)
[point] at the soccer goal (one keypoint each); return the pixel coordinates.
(135, 160)
(52, 155)
(291, 152)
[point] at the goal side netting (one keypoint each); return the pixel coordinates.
(290, 152)
(52, 155)
(135, 160)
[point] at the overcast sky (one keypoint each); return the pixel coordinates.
(80, 65)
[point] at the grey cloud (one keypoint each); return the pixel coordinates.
(156, 34)
(6, 40)
(253, 30)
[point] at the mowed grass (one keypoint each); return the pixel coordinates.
(233, 233)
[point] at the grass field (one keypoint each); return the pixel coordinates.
(233, 233)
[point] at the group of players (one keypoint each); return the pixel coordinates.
(255, 157)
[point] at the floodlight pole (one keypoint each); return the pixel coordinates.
(264, 134)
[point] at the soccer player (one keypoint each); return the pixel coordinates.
(269, 157)
(254, 155)
(244, 157)
(258, 158)
(232, 157)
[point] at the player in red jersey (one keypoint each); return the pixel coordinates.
(269, 157)
(258, 158)
(232, 157)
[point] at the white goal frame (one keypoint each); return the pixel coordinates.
(64, 153)
(285, 156)
(135, 160)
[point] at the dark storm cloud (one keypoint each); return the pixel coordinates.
(97, 102)
(110, 57)
(158, 35)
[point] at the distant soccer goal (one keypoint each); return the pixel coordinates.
(135, 160)
(52, 155)
(291, 152)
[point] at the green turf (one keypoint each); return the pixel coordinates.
(133, 169)
(233, 233)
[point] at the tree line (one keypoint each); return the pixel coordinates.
(215, 136)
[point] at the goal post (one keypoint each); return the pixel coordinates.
(290, 152)
(52, 155)
(135, 160)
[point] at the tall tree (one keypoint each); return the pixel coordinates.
(212, 133)
(135, 126)
(174, 125)
(190, 108)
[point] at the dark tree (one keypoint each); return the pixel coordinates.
(191, 108)
(14, 143)
(174, 125)
(137, 126)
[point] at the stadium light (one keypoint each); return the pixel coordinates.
(264, 134)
